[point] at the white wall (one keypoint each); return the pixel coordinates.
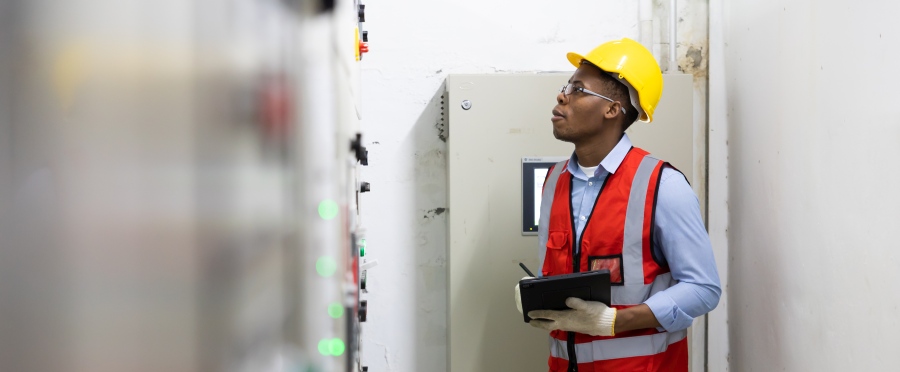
(414, 45)
(813, 135)
(717, 205)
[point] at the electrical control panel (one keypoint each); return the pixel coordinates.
(186, 181)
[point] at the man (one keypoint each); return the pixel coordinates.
(613, 206)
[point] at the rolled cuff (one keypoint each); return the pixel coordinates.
(667, 312)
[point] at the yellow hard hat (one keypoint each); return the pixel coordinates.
(628, 60)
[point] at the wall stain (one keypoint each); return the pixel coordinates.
(695, 54)
(694, 61)
(431, 158)
(432, 213)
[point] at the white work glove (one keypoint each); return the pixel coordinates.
(589, 317)
(519, 296)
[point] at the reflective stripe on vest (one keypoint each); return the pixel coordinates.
(633, 242)
(546, 204)
(636, 295)
(615, 348)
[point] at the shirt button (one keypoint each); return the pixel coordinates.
(590, 184)
(582, 218)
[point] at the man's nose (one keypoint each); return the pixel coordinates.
(560, 98)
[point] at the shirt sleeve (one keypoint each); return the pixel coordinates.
(681, 239)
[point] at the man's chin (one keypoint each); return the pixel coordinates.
(561, 137)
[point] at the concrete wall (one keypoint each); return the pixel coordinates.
(812, 132)
(414, 45)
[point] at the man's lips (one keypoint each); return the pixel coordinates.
(557, 115)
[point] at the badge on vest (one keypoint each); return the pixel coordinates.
(611, 263)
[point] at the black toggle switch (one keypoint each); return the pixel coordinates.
(362, 12)
(365, 187)
(362, 155)
(365, 36)
(363, 309)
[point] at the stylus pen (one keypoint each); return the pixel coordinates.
(526, 270)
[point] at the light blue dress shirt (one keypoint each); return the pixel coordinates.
(679, 236)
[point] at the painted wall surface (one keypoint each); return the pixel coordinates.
(813, 132)
(717, 352)
(414, 45)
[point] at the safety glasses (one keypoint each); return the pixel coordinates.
(568, 89)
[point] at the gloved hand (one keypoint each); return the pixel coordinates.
(593, 318)
(519, 296)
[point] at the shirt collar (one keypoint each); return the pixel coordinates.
(610, 163)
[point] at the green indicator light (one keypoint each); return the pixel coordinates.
(328, 209)
(337, 347)
(335, 310)
(325, 346)
(326, 266)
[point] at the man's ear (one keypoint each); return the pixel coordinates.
(612, 110)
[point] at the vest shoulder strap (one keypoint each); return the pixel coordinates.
(546, 204)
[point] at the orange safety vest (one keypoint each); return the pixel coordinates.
(618, 236)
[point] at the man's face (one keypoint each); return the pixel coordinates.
(580, 116)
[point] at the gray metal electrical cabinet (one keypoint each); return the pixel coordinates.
(495, 121)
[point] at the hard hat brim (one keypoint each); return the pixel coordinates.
(575, 59)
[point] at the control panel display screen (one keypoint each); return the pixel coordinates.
(534, 172)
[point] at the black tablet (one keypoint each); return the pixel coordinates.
(550, 293)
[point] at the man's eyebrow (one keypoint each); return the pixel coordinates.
(576, 82)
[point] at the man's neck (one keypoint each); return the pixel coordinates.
(591, 153)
